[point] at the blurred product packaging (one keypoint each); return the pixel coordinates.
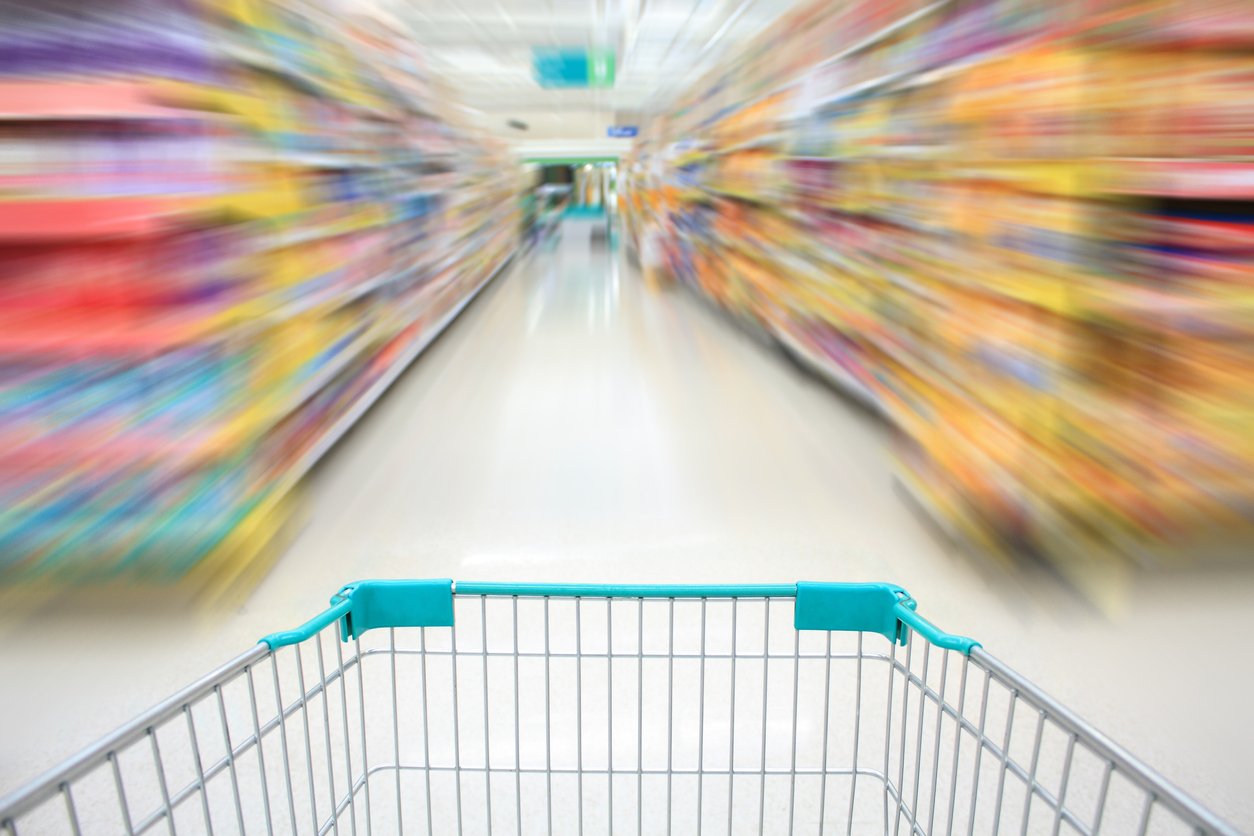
(1022, 231)
(225, 226)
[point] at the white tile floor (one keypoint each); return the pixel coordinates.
(576, 426)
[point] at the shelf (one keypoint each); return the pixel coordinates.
(427, 191)
(887, 32)
(330, 300)
(855, 90)
(111, 101)
(342, 360)
(1181, 178)
(90, 449)
(299, 235)
(717, 191)
(829, 370)
(761, 142)
(870, 40)
(341, 425)
(259, 59)
(306, 281)
(35, 220)
(128, 447)
(319, 159)
(951, 69)
(126, 333)
(130, 334)
(973, 290)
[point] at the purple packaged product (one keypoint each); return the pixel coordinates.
(98, 44)
(77, 40)
(168, 38)
(92, 45)
(43, 49)
(965, 35)
(196, 261)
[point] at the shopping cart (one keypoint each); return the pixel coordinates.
(434, 707)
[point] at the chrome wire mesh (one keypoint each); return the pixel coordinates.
(599, 715)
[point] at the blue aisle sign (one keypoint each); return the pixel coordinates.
(623, 131)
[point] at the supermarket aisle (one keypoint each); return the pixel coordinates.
(587, 430)
(576, 426)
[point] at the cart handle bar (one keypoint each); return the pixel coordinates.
(881, 608)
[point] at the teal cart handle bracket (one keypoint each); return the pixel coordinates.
(397, 604)
(366, 605)
(881, 608)
(850, 607)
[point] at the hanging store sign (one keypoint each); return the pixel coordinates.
(570, 67)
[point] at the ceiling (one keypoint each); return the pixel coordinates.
(484, 50)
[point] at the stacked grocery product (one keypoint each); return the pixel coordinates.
(225, 227)
(1021, 230)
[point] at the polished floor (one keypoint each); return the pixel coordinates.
(576, 425)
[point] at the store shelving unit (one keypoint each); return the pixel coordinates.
(217, 252)
(1020, 229)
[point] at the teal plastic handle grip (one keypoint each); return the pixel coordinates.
(905, 613)
(863, 607)
(882, 608)
(340, 607)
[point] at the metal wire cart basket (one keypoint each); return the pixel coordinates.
(434, 707)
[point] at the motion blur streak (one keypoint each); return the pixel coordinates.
(224, 225)
(1022, 231)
